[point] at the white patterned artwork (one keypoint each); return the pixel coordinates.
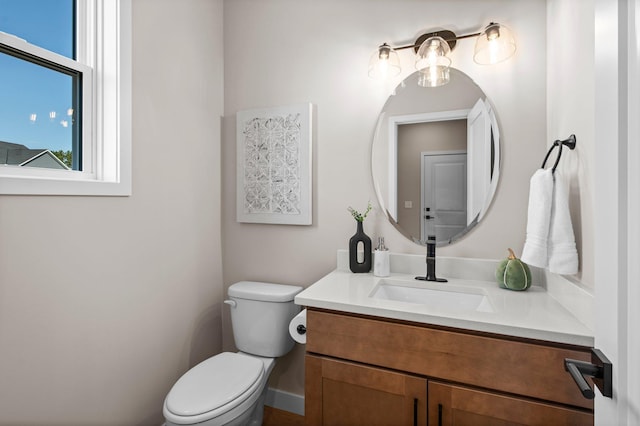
(274, 165)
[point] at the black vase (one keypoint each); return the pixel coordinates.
(360, 237)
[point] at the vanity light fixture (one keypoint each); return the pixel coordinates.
(494, 44)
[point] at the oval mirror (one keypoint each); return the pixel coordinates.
(435, 158)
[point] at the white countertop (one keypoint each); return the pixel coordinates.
(533, 314)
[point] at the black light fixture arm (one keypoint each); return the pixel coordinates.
(449, 36)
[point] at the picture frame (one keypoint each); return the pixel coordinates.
(274, 165)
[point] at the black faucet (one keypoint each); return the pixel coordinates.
(431, 262)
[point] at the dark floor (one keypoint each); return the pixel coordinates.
(275, 417)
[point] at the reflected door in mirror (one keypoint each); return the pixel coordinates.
(444, 195)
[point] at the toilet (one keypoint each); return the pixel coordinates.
(229, 388)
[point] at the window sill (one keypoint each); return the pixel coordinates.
(53, 186)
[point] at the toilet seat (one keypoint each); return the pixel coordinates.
(214, 387)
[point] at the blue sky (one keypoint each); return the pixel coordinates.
(27, 89)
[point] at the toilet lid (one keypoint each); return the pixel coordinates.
(265, 292)
(214, 383)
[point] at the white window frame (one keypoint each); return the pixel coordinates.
(104, 58)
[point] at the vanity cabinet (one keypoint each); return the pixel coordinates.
(367, 370)
(357, 394)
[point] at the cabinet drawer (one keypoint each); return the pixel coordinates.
(523, 368)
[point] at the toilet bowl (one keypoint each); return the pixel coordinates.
(230, 388)
(222, 390)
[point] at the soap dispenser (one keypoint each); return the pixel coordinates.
(381, 259)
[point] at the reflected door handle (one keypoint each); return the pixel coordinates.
(599, 369)
(428, 217)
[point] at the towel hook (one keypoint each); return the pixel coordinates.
(569, 142)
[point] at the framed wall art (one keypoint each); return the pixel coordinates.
(274, 150)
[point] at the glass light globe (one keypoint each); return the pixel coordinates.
(384, 63)
(495, 44)
(433, 63)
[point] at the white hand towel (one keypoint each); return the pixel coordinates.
(563, 256)
(538, 218)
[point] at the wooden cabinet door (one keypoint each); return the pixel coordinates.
(344, 393)
(451, 405)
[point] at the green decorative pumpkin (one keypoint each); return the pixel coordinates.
(513, 274)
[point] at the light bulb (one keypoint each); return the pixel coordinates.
(384, 63)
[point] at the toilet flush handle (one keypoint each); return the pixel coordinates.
(231, 303)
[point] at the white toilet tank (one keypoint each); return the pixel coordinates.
(260, 317)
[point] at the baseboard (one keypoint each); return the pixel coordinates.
(285, 401)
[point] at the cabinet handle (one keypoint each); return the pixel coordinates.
(439, 414)
(576, 368)
(415, 411)
(599, 369)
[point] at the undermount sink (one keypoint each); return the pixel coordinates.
(440, 296)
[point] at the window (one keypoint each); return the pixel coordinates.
(65, 109)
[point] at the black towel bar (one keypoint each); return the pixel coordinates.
(569, 142)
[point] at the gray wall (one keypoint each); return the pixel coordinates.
(105, 302)
(571, 109)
